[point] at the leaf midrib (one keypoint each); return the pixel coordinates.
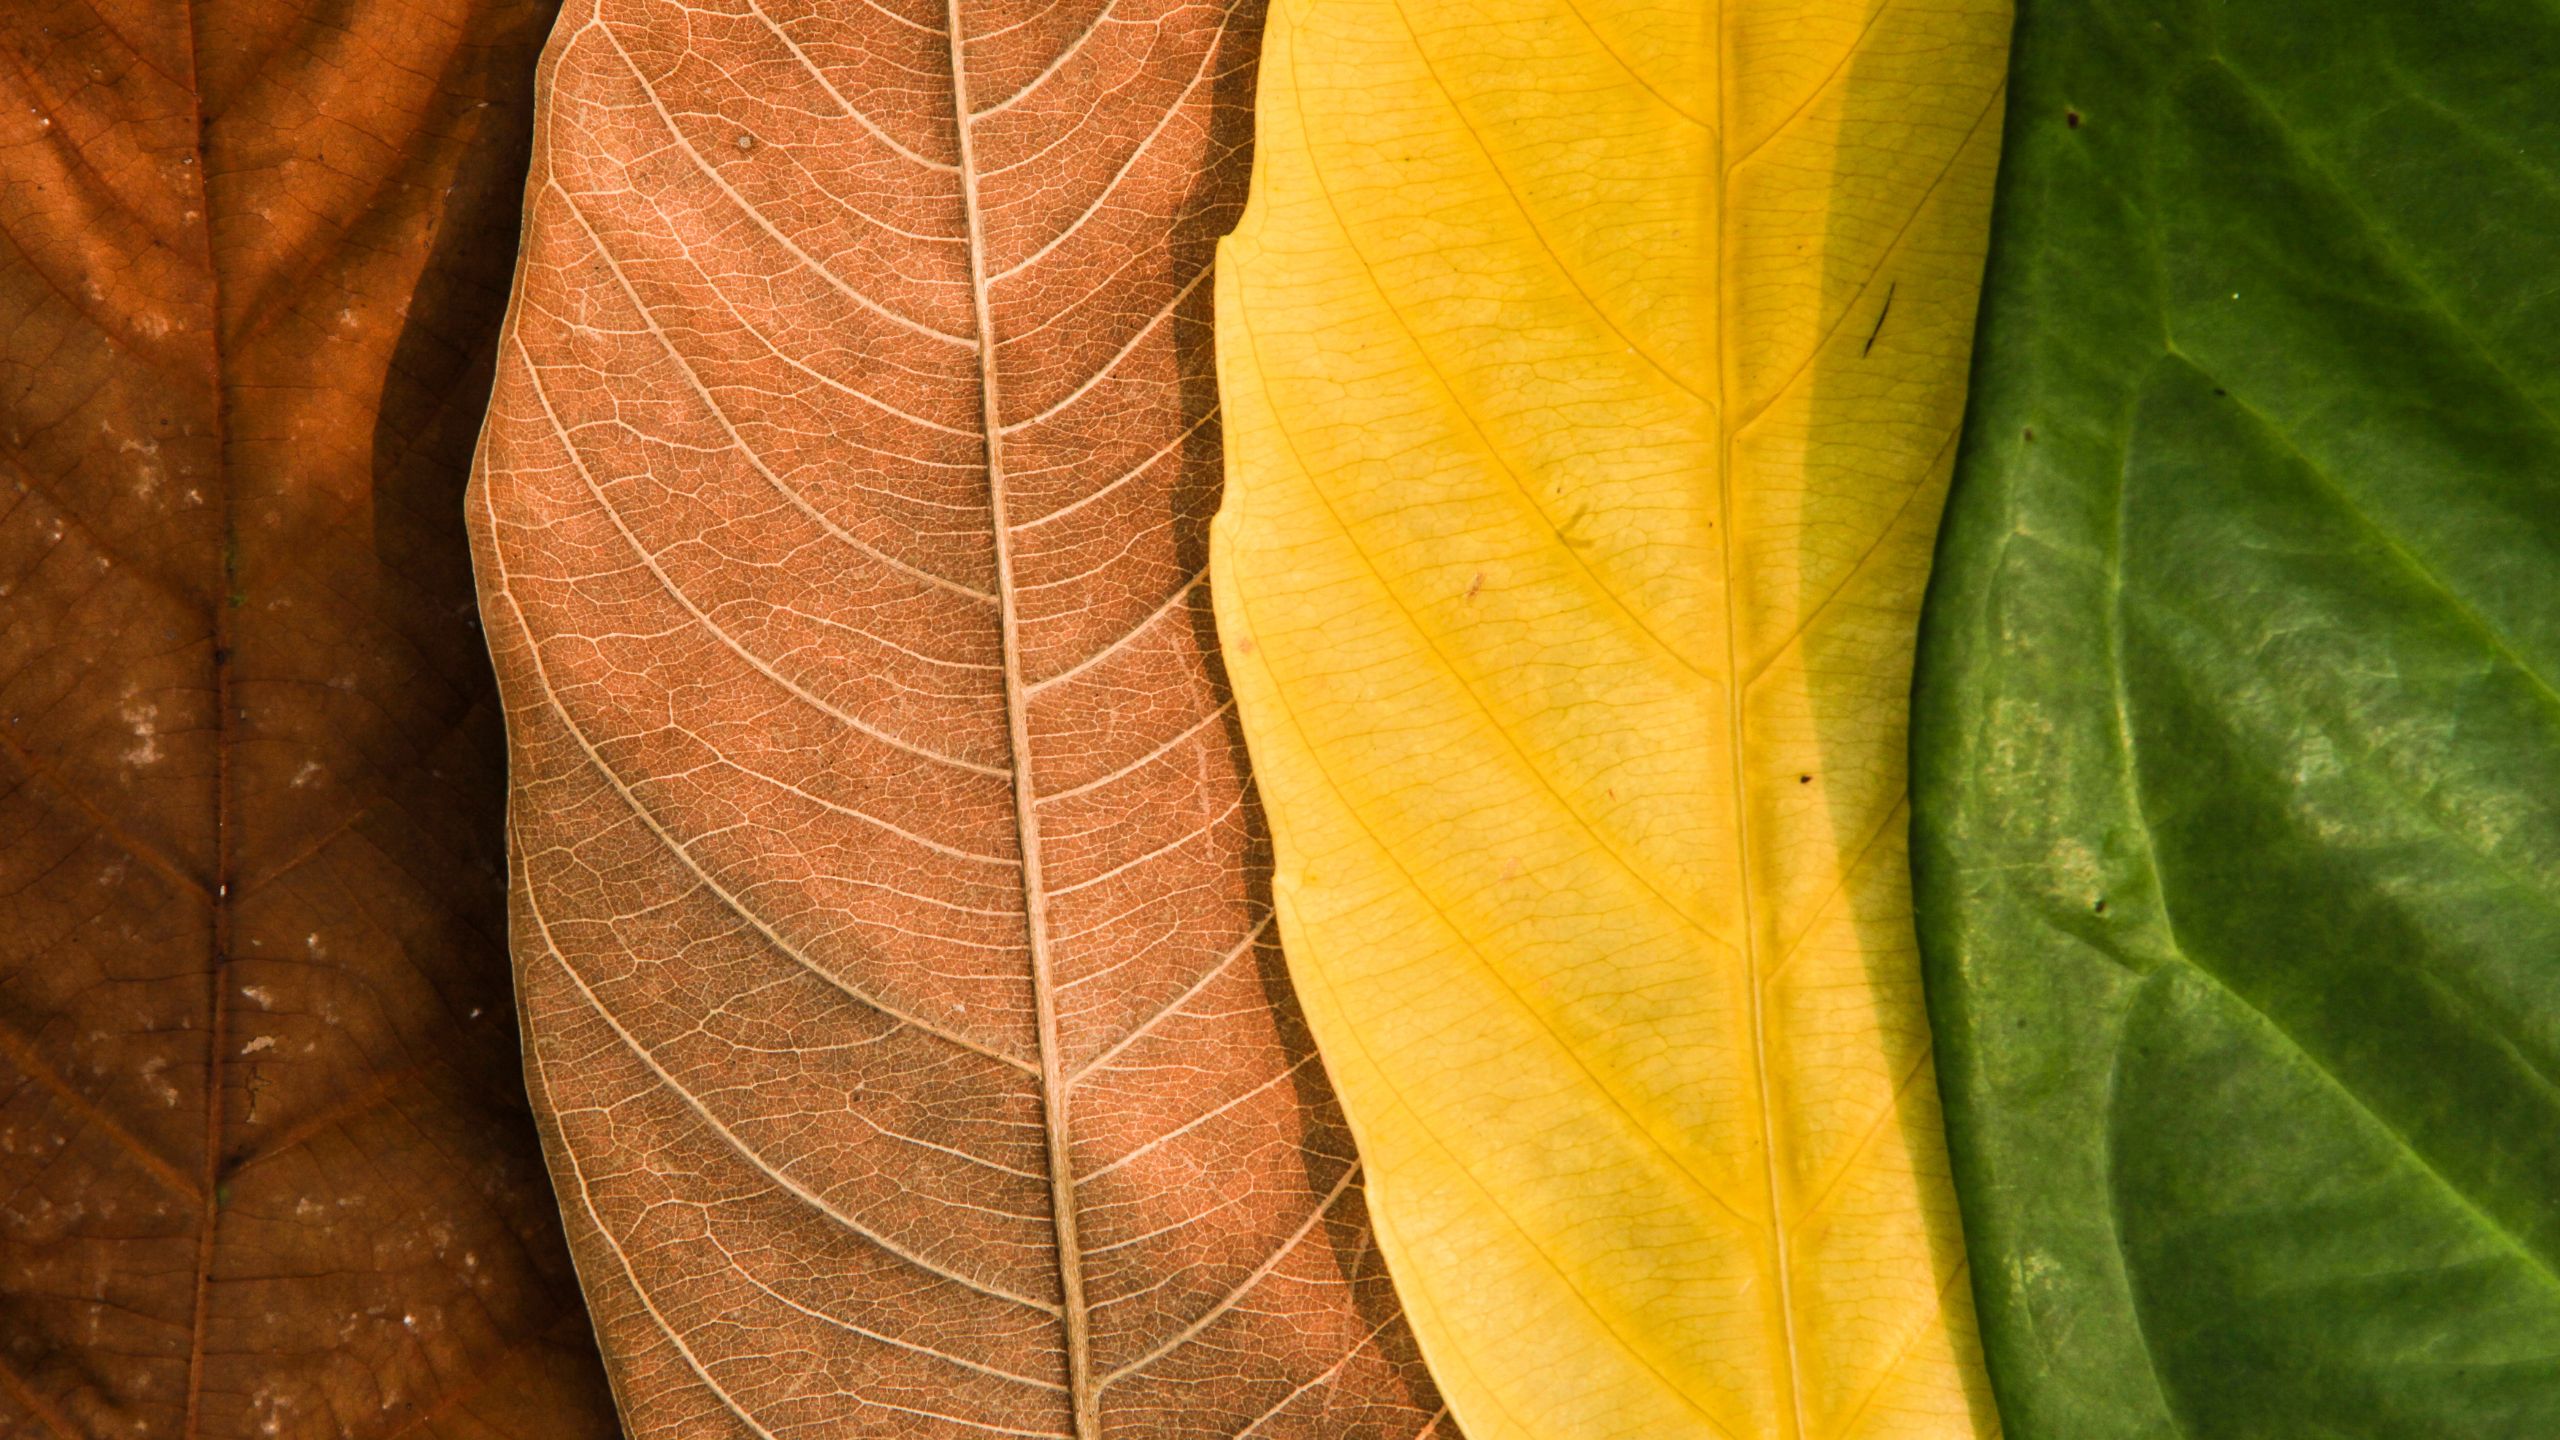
(226, 840)
(1083, 1393)
(1790, 1359)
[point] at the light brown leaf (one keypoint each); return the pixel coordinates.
(265, 1169)
(892, 911)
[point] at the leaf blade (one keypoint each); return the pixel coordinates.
(269, 1171)
(890, 890)
(1486, 375)
(2271, 885)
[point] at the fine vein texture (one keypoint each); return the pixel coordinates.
(1593, 374)
(266, 1171)
(913, 1046)
(2237, 755)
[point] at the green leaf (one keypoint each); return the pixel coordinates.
(2236, 751)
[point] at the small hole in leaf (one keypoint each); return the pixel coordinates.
(746, 142)
(2071, 118)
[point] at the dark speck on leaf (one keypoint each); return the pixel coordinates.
(2098, 909)
(1804, 779)
(2030, 432)
(1887, 309)
(2071, 118)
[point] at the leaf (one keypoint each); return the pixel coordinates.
(2237, 797)
(265, 1166)
(1594, 375)
(914, 1051)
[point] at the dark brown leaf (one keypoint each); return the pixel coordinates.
(893, 917)
(265, 1169)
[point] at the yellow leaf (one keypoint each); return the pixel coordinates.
(1592, 372)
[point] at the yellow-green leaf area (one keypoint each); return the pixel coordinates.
(1592, 374)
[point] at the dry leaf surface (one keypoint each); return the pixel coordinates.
(265, 1168)
(892, 909)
